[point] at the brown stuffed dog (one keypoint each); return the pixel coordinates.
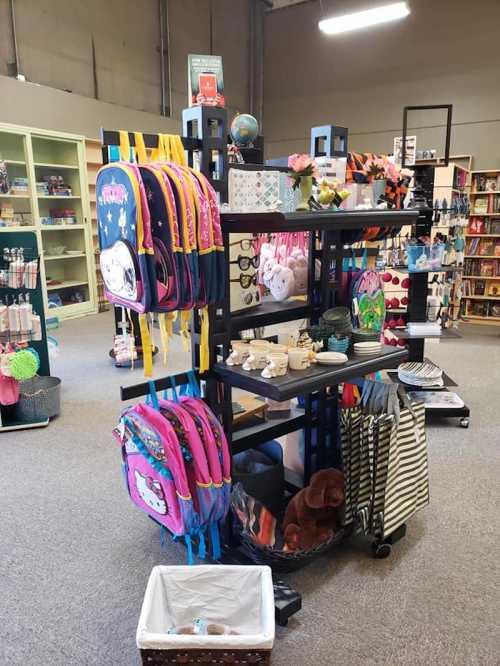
(312, 515)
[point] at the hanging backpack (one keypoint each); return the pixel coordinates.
(368, 301)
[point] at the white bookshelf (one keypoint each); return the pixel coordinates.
(33, 154)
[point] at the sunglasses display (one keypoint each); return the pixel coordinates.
(249, 298)
(246, 262)
(246, 280)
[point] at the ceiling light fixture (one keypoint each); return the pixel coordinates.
(357, 20)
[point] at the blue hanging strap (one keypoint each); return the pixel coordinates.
(174, 392)
(153, 396)
(163, 536)
(184, 390)
(189, 547)
(202, 549)
(215, 539)
(193, 384)
(364, 260)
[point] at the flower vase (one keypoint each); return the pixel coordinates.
(378, 187)
(305, 187)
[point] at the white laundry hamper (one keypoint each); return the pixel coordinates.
(238, 596)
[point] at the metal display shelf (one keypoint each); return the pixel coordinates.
(269, 313)
(315, 378)
(266, 430)
(315, 221)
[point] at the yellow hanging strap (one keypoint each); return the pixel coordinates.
(204, 349)
(147, 348)
(140, 148)
(164, 337)
(185, 335)
(159, 154)
(124, 146)
(171, 317)
(131, 339)
(178, 149)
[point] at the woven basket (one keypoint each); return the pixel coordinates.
(39, 398)
(285, 562)
(221, 657)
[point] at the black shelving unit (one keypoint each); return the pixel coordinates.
(319, 384)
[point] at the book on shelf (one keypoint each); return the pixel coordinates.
(488, 268)
(476, 226)
(486, 249)
(472, 246)
(494, 288)
(485, 183)
(494, 227)
(481, 205)
(496, 203)
(479, 288)
(479, 309)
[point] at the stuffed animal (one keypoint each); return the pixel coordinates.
(312, 515)
(282, 283)
(297, 262)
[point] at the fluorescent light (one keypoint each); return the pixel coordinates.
(357, 20)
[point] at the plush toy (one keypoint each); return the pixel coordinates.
(282, 283)
(312, 515)
(297, 262)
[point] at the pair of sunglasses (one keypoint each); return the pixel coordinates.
(249, 298)
(245, 244)
(246, 280)
(246, 262)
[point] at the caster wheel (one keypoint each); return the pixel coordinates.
(381, 550)
(464, 423)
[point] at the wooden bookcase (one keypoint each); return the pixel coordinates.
(482, 252)
(94, 163)
(61, 221)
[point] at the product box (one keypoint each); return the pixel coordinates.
(331, 168)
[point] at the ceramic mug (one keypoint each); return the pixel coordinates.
(240, 351)
(260, 344)
(257, 359)
(277, 365)
(298, 359)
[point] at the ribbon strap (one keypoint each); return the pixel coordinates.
(140, 148)
(147, 348)
(215, 540)
(204, 347)
(124, 146)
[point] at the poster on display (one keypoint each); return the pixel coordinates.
(205, 81)
(411, 149)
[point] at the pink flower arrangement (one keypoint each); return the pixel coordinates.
(301, 166)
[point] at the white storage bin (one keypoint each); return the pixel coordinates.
(238, 596)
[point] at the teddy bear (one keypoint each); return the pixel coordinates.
(313, 514)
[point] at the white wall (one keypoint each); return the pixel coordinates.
(445, 52)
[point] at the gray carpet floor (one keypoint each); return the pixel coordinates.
(75, 554)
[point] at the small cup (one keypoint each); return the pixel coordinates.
(239, 353)
(299, 359)
(277, 365)
(257, 359)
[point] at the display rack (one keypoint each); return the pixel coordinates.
(29, 242)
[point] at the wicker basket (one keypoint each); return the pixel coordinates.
(39, 398)
(218, 657)
(285, 562)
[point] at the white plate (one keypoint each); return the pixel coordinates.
(367, 345)
(331, 358)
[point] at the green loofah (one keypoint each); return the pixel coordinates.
(23, 365)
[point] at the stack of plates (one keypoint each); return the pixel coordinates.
(338, 320)
(331, 358)
(367, 348)
(365, 335)
(425, 374)
(338, 344)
